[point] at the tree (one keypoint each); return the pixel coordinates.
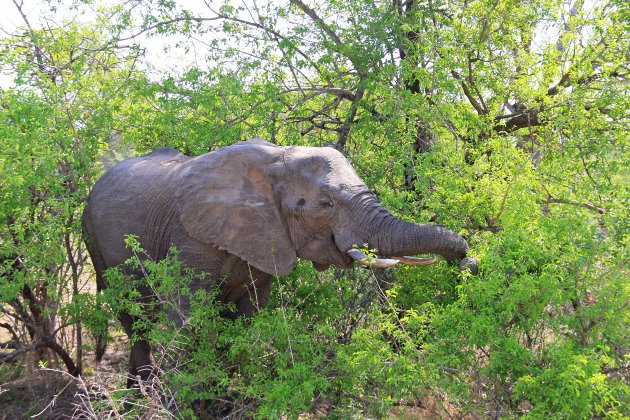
(69, 82)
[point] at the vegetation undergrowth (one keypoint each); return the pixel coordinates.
(365, 342)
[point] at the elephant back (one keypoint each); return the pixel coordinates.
(135, 197)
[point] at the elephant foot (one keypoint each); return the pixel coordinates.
(143, 377)
(221, 407)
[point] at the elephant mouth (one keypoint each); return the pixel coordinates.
(324, 253)
(343, 259)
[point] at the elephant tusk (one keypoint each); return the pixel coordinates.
(371, 262)
(416, 261)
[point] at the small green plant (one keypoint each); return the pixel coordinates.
(182, 323)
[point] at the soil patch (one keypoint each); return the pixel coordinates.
(43, 393)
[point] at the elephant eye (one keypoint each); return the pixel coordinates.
(326, 203)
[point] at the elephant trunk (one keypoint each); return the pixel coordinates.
(400, 238)
(393, 237)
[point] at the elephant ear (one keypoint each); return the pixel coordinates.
(226, 199)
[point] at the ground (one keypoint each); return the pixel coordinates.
(51, 394)
(40, 394)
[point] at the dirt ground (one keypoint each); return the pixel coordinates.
(40, 394)
(50, 394)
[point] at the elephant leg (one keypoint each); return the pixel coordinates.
(141, 360)
(141, 363)
(255, 297)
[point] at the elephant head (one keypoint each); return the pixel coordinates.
(269, 204)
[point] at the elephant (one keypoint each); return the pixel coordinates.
(242, 214)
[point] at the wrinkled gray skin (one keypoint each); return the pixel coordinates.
(243, 214)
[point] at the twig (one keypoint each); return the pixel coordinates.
(575, 203)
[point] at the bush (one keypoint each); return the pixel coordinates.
(514, 340)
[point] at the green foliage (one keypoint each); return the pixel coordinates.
(572, 385)
(68, 84)
(284, 358)
(274, 363)
(505, 121)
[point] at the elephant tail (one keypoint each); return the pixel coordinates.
(100, 338)
(98, 262)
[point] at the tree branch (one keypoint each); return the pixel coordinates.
(169, 22)
(49, 343)
(528, 118)
(468, 93)
(16, 353)
(345, 128)
(551, 200)
(319, 21)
